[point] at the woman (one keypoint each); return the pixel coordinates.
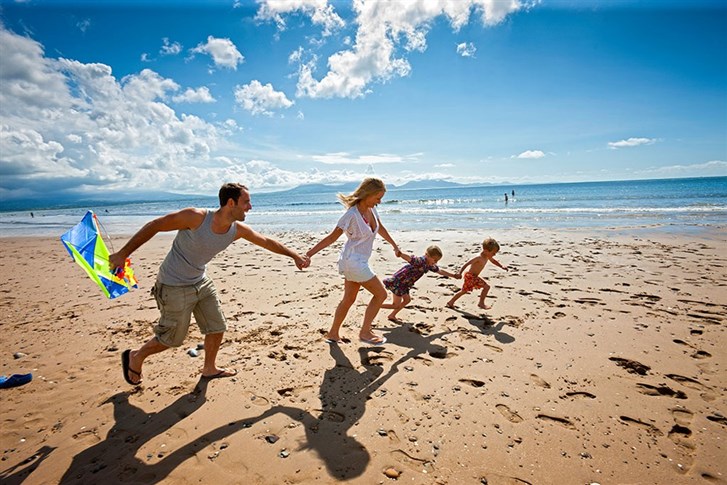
(361, 224)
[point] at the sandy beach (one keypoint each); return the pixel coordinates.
(602, 361)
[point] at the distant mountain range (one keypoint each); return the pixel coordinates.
(351, 186)
(105, 199)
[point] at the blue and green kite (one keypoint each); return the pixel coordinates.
(88, 249)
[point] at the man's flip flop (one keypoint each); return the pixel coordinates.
(331, 341)
(125, 356)
(14, 380)
(221, 374)
(375, 342)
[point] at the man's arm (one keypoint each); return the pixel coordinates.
(265, 242)
(188, 218)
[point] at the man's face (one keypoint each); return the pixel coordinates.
(242, 205)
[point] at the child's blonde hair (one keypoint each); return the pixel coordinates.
(434, 251)
(367, 187)
(490, 245)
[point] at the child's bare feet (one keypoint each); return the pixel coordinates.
(393, 319)
(485, 307)
(450, 305)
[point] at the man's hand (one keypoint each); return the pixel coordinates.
(116, 260)
(301, 262)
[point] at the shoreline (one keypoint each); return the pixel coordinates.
(602, 360)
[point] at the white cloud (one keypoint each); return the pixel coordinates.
(223, 52)
(631, 142)
(199, 95)
(259, 99)
(383, 33)
(531, 154)
(343, 158)
(444, 165)
(83, 25)
(466, 49)
(170, 48)
(70, 126)
(320, 12)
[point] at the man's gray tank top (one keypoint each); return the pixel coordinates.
(191, 251)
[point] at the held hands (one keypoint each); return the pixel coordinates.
(301, 262)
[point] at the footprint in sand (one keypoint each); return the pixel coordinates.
(579, 394)
(680, 434)
(650, 428)
(631, 365)
(562, 421)
(410, 461)
(89, 436)
(682, 416)
(330, 416)
(473, 382)
(706, 392)
(699, 354)
(250, 398)
(539, 381)
(509, 414)
(493, 347)
(650, 390)
(718, 418)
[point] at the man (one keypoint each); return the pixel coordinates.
(182, 287)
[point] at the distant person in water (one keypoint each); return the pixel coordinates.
(513, 193)
(403, 280)
(472, 280)
(506, 197)
(183, 287)
(361, 224)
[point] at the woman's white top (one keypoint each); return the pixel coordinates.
(360, 243)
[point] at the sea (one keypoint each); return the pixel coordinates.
(677, 205)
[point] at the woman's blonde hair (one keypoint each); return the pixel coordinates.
(367, 187)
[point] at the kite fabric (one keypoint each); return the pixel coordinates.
(83, 241)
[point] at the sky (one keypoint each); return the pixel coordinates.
(118, 97)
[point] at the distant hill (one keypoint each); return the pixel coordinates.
(351, 186)
(60, 201)
(322, 188)
(428, 184)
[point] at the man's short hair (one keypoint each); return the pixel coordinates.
(229, 191)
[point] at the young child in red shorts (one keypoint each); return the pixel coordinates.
(472, 280)
(402, 281)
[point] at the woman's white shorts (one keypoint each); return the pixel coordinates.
(355, 269)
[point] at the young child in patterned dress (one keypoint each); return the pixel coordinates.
(403, 280)
(472, 280)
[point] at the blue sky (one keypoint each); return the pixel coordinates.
(102, 97)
